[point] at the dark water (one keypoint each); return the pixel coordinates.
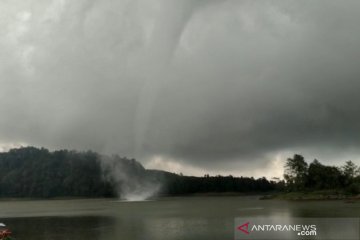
(190, 218)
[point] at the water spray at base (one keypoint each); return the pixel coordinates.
(129, 178)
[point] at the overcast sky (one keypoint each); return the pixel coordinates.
(192, 86)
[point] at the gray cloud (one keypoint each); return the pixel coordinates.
(211, 84)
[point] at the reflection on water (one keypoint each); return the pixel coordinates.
(59, 227)
(166, 219)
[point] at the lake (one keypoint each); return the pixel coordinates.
(185, 218)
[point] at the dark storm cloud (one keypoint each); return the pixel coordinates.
(204, 83)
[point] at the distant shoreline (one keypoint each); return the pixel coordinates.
(313, 196)
(287, 196)
(222, 194)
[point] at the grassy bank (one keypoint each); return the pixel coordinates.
(314, 195)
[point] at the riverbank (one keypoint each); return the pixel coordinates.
(313, 195)
(291, 196)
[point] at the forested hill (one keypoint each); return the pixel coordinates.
(33, 172)
(38, 173)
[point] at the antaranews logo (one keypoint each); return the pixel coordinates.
(244, 228)
(300, 229)
(284, 228)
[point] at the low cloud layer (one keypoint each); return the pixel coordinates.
(206, 84)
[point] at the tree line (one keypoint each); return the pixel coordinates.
(179, 185)
(301, 176)
(38, 173)
(33, 172)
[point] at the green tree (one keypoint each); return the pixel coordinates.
(323, 177)
(351, 174)
(350, 170)
(296, 171)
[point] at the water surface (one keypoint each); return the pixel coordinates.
(188, 218)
